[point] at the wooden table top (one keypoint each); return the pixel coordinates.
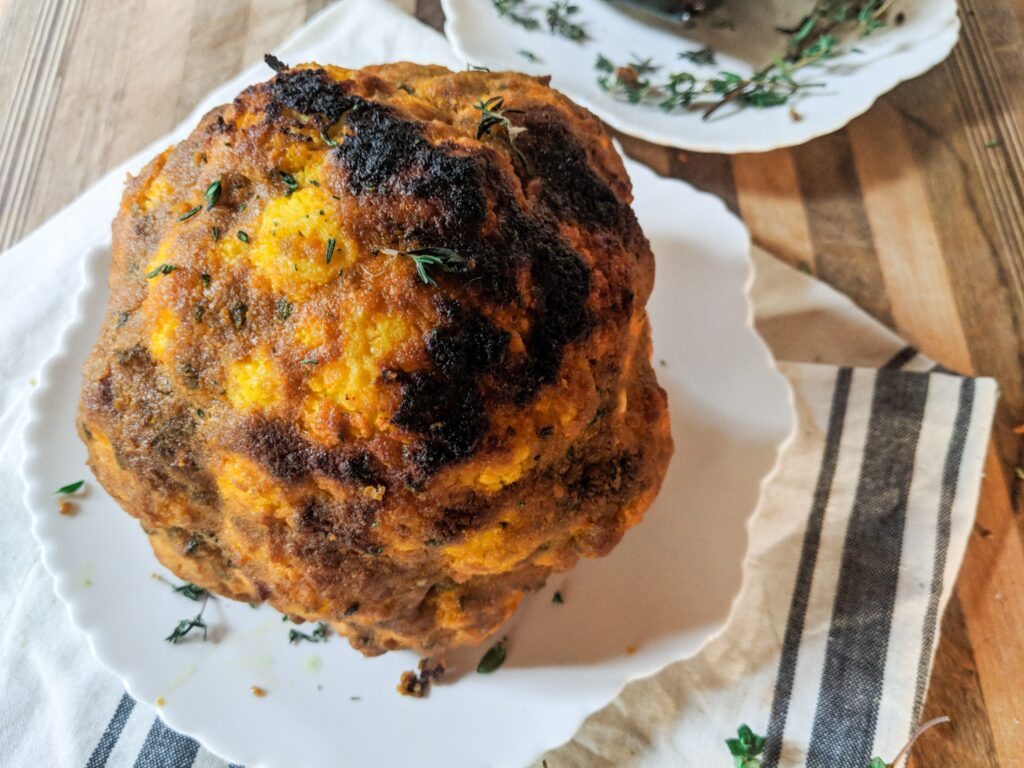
(915, 210)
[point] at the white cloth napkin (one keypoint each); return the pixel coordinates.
(855, 543)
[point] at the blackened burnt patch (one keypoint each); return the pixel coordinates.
(449, 416)
(386, 153)
(288, 456)
(314, 93)
(468, 344)
(274, 63)
(570, 186)
(386, 156)
(381, 146)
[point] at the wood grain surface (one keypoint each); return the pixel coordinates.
(916, 210)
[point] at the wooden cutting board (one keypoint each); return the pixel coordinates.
(916, 210)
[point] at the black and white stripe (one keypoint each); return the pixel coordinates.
(850, 668)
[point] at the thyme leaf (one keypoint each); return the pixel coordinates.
(212, 194)
(318, 635)
(493, 659)
(187, 625)
(513, 11)
(427, 257)
(70, 488)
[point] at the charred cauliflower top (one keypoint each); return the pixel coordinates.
(377, 350)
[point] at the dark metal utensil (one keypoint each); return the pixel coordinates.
(678, 10)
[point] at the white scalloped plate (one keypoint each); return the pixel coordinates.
(852, 81)
(664, 591)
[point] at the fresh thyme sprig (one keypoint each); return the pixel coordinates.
(423, 258)
(190, 590)
(187, 625)
(493, 114)
(559, 22)
(558, 15)
(815, 38)
(318, 635)
(513, 11)
(633, 82)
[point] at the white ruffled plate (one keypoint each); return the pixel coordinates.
(851, 81)
(663, 592)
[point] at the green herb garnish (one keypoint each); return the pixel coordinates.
(746, 748)
(163, 269)
(702, 56)
(557, 15)
(190, 590)
(528, 55)
(204, 278)
(511, 10)
(492, 113)
(187, 625)
(430, 256)
(212, 193)
(243, 237)
(310, 361)
(557, 598)
(70, 488)
(215, 231)
(330, 250)
(815, 38)
(318, 635)
(289, 181)
(189, 214)
(493, 659)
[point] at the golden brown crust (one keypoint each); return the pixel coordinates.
(295, 416)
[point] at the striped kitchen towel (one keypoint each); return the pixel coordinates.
(853, 548)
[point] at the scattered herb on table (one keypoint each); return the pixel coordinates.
(187, 625)
(318, 635)
(557, 598)
(529, 55)
(746, 748)
(70, 488)
(493, 659)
